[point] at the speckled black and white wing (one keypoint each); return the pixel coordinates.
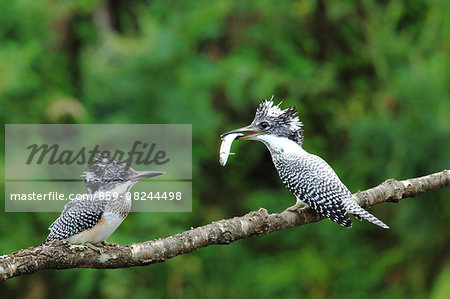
(315, 183)
(77, 216)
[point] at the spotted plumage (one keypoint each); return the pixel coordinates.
(96, 216)
(307, 176)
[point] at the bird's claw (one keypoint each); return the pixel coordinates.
(95, 248)
(77, 247)
(297, 207)
(84, 246)
(110, 244)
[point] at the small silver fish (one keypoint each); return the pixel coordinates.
(226, 146)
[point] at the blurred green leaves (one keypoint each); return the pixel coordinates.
(370, 80)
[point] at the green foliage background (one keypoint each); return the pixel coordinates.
(370, 80)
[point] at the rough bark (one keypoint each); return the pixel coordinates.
(58, 255)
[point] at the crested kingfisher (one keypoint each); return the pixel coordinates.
(94, 218)
(313, 182)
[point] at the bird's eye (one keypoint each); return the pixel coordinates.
(264, 125)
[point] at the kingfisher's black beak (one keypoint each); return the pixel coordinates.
(248, 133)
(142, 175)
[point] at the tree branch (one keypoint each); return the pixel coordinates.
(58, 255)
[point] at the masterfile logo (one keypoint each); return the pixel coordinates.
(42, 161)
(52, 154)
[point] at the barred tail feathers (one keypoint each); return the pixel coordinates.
(353, 208)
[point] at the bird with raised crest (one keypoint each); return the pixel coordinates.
(93, 218)
(313, 182)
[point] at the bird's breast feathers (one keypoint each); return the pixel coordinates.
(100, 232)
